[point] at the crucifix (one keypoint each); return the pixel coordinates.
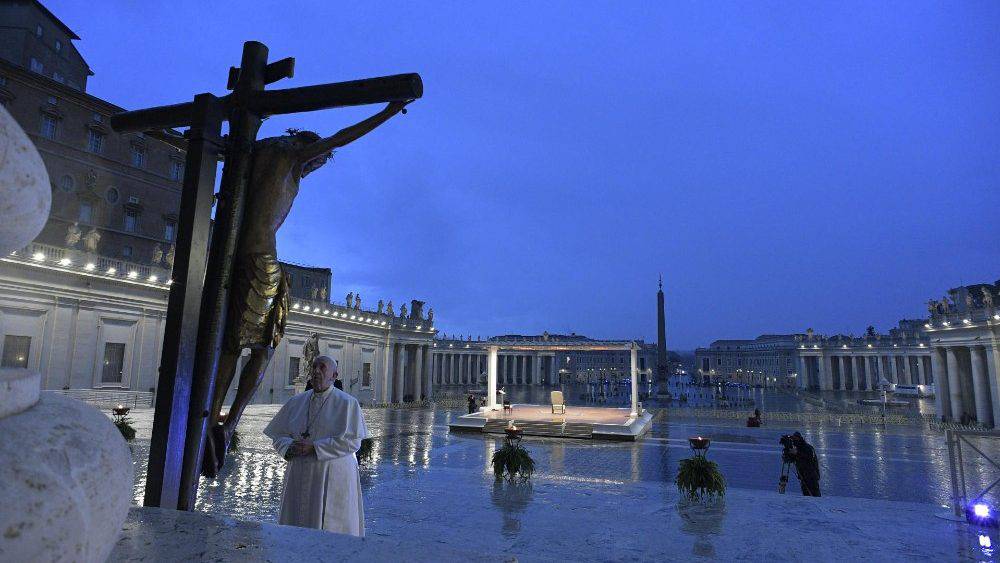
(231, 294)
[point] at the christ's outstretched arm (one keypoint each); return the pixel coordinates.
(350, 134)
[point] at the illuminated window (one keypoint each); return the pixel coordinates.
(169, 229)
(15, 351)
(138, 156)
(36, 66)
(131, 220)
(176, 170)
(95, 141)
(48, 128)
(86, 214)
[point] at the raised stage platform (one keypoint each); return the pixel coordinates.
(578, 422)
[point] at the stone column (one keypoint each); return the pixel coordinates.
(383, 392)
(907, 374)
(860, 381)
(980, 386)
(397, 377)
(842, 371)
(491, 378)
(429, 371)
(418, 373)
(803, 369)
(942, 398)
(634, 374)
(992, 358)
(828, 369)
(921, 376)
(536, 369)
(954, 384)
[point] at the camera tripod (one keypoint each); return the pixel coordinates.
(783, 479)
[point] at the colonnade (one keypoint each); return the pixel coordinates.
(407, 375)
(967, 388)
(469, 367)
(850, 372)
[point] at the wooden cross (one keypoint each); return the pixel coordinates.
(196, 308)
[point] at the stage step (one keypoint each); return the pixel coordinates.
(541, 428)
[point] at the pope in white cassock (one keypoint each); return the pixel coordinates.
(319, 432)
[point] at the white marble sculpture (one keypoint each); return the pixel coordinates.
(66, 474)
(91, 239)
(73, 235)
(25, 193)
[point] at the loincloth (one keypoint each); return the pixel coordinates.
(258, 303)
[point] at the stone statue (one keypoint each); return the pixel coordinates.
(91, 239)
(945, 305)
(357, 301)
(380, 306)
(932, 307)
(416, 309)
(322, 293)
(169, 258)
(310, 350)
(350, 299)
(157, 254)
(402, 310)
(987, 298)
(314, 292)
(90, 180)
(388, 309)
(968, 301)
(258, 291)
(73, 235)
(469, 338)
(430, 315)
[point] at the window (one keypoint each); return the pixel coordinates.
(15, 351)
(131, 220)
(98, 118)
(126, 251)
(86, 212)
(95, 141)
(138, 156)
(307, 281)
(38, 30)
(3, 80)
(48, 126)
(293, 370)
(58, 45)
(36, 66)
(51, 100)
(169, 229)
(366, 374)
(66, 183)
(114, 362)
(176, 170)
(112, 195)
(58, 77)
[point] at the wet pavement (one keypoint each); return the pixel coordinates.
(415, 451)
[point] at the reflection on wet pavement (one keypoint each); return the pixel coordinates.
(893, 463)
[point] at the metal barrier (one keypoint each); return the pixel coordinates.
(109, 398)
(956, 462)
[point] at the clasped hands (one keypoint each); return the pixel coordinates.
(300, 448)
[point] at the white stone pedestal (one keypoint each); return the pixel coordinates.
(65, 475)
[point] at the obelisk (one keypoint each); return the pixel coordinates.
(661, 337)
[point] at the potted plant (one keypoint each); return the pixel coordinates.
(123, 422)
(698, 478)
(512, 460)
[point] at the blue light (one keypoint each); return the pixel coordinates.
(981, 510)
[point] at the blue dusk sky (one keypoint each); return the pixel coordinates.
(783, 165)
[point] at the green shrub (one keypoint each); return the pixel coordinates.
(698, 478)
(365, 452)
(514, 461)
(124, 425)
